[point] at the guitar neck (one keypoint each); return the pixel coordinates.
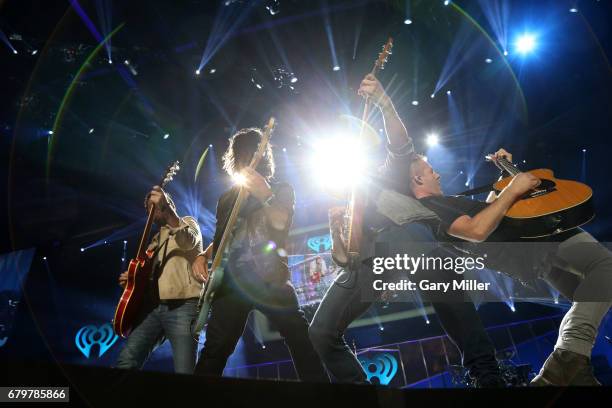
(507, 166)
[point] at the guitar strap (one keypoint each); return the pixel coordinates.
(478, 190)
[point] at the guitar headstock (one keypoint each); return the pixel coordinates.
(171, 171)
(263, 144)
(383, 57)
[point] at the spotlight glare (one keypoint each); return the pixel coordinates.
(44, 258)
(338, 162)
(284, 149)
(49, 132)
(336, 68)
(382, 328)
(197, 71)
(415, 102)
(433, 95)
(525, 43)
(294, 80)
(213, 70)
(239, 179)
(263, 346)
(573, 10)
(258, 86)
(91, 131)
(110, 61)
(506, 52)
(167, 135)
(210, 145)
(446, 2)
(15, 52)
(448, 92)
(432, 139)
(583, 150)
(407, 21)
(126, 62)
(512, 308)
(427, 321)
(488, 60)
(82, 249)
(34, 52)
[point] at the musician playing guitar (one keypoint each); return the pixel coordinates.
(344, 302)
(256, 275)
(581, 268)
(170, 304)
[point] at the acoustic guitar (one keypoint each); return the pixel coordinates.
(139, 272)
(222, 252)
(553, 207)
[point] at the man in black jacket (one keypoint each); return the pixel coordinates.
(257, 275)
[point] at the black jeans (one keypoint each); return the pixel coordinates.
(278, 302)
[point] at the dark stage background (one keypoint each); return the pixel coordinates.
(82, 140)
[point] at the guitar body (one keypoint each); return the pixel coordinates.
(553, 207)
(130, 304)
(206, 297)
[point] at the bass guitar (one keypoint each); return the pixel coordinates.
(358, 199)
(222, 252)
(139, 272)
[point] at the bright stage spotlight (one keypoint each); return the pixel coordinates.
(91, 131)
(432, 139)
(110, 61)
(488, 60)
(212, 70)
(166, 136)
(446, 2)
(338, 162)
(448, 92)
(15, 51)
(336, 68)
(415, 103)
(198, 72)
(525, 43)
(573, 10)
(506, 52)
(407, 21)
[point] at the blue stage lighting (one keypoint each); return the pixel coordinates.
(197, 72)
(525, 43)
(573, 10)
(488, 60)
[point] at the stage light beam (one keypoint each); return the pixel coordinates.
(525, 44)
(432, 139)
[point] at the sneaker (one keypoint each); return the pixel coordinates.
(563, 368)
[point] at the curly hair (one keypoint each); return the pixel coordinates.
(242, 145)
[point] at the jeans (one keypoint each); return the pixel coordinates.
(170, 320)
(589, 286)
(278, 302)
(345, 301)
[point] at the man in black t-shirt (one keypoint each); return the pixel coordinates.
(351, 295)
(256, 275)
(584, 274)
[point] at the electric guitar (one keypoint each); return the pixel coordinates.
(554, 206)
(358, 199)
(139, 272)
(222, 252)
